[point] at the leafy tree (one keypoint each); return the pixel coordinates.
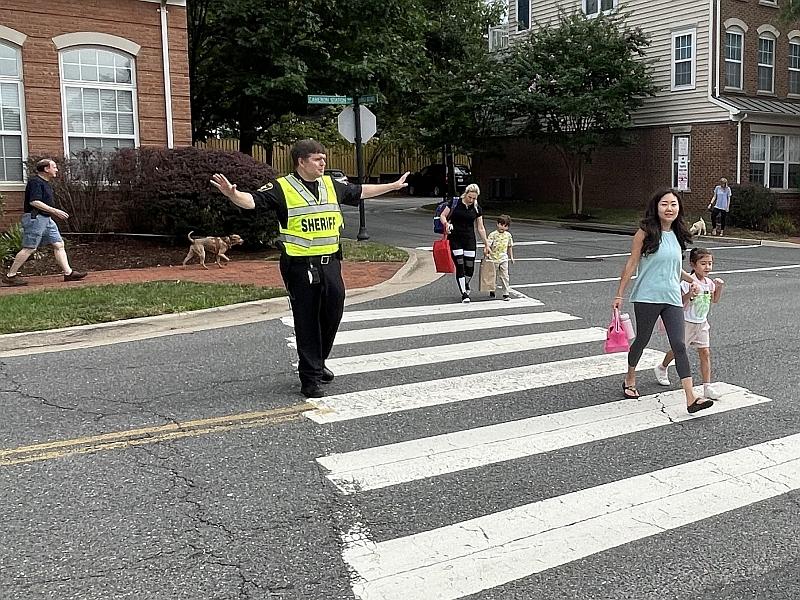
(790, 11)
(455, 97)
(249, 63)
(253, 63)
(574, 85)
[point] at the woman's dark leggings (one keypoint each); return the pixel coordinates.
(672, 316)
(718, 218)
(463, 251)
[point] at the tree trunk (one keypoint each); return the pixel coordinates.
(247, 131)
(580, 175)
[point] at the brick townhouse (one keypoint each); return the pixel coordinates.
(88, 74)
(728, 106)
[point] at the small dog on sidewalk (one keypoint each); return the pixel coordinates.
(214, 245)
(698, 227)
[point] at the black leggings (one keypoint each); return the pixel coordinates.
(672, 316)
(463, 251)
(718, 216)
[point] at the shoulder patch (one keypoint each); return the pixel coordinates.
(266, 187)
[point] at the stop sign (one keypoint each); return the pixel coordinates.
(347, 124)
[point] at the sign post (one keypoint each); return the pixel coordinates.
(362, 217)
(357, 125)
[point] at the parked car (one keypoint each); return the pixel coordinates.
(431, 180)
(338, 175)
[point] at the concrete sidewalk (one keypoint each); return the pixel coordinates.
(365, 282)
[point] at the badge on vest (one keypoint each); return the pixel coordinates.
(266, 187)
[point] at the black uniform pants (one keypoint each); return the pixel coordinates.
(317, 308)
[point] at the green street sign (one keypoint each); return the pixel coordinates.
(318, 99)
(322, 99)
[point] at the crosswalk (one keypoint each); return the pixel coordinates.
(525, 351)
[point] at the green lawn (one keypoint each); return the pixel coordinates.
(372, 252)
(51, 309)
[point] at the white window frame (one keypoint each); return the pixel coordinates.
(132, 87)
(498, 38)
(767, 162)
(674, 170)
(9, 185)
(768, 38)
(692, 31)
(600, 10)
(735, 31)
(794, 41)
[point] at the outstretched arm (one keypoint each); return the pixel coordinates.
(370, 190)
(240, 199)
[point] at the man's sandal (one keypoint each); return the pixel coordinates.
(634, 395)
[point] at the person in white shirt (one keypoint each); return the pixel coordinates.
(696, 306)
(719, 206)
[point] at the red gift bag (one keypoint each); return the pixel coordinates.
(616, 338)
(442, 257)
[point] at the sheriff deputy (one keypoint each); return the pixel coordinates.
(307, 206)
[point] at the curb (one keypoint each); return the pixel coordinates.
(416, 272)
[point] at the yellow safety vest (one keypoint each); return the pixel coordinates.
(313, 226)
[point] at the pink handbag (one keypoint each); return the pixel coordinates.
(616, 338)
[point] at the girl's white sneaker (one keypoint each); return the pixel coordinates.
(710, 392)
(662, 375)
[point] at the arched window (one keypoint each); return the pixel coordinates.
(734, 45)
(767, 34)
(11, 114)
(794, 63)
(98, 87)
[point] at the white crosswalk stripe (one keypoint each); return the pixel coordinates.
(375, 468)
(464, 558)
(461, 558)
(397, 359)
(356, 405)
(394, 332)
(403, 312)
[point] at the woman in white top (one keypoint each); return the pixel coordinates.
(719, 206)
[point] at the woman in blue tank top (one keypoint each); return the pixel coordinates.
(657, 250)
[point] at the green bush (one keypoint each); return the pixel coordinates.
(752, 206)
(781, 224)
(169, 192)
(11, 243)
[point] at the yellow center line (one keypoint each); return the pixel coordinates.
(150, 435)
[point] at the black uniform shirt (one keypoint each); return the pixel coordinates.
(463, 219)
(271, 196)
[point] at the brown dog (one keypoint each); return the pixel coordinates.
(214, 245)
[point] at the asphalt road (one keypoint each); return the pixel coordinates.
(481, 453)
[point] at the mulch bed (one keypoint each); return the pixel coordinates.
(124, 252)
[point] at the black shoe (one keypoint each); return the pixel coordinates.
(311, 390)
(698, 405)
(13, 280)
(75, 276)
(492, 295)
(327, 375)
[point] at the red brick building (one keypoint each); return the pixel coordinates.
(89, 74)
(728, 106)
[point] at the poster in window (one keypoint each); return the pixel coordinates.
(683, 173)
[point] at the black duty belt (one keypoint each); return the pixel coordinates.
(322, 259)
